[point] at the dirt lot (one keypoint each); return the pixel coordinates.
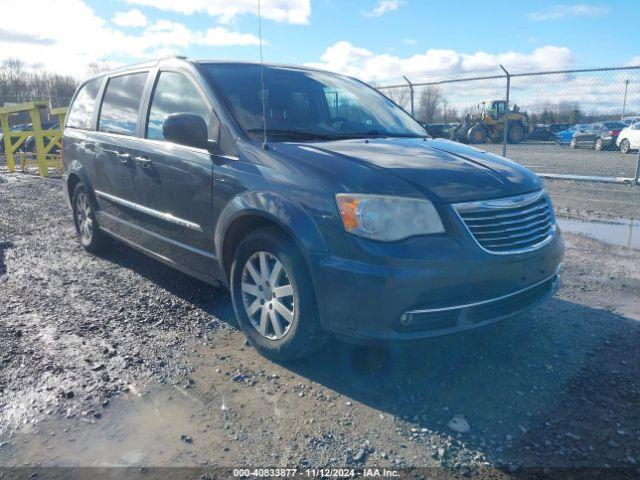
(117, 360)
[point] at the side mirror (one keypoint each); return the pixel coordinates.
(186, 129)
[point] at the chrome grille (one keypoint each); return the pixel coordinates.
(509, 225)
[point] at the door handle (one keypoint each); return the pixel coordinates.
(143, 161)
(124, 157)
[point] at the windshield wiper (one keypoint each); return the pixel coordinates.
(294, 134)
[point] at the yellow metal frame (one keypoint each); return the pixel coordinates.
(45, 139)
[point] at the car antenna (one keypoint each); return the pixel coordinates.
(265, 145)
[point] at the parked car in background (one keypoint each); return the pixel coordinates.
(22, 127)
(439, 130)
(541, 131)
(599, 136)
(558, 127)
(629, 138)
(564, 137)
(630, 120)
(29, 145)
(309, 206)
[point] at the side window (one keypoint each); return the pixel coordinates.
(175, 93)
(121, 102)
(81, 112)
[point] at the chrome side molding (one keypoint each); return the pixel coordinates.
(167, 217)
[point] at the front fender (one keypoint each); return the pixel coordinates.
(271, 206)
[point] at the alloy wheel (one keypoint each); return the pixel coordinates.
(83, 218)
(267, 295)
(625, 146)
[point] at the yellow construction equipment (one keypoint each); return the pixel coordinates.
(44, 140)
(488, 124)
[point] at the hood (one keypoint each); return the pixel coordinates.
(443, 170)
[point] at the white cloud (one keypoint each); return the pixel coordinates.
(409, 41)
(557, 12)
(346, 58)
(290, 11)
(634, 62)
(131, 18)
(383, 6)
(66, 36)
(592, 92)
(220, 37)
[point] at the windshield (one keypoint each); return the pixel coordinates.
(614, 125)
(307, 105)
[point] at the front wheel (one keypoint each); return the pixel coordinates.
(478, 134)
(598, 145)
(625, 146)
(273, 297)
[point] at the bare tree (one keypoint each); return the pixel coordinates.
(19, 84)
(428, 103)
(95, 68)
(400, 96)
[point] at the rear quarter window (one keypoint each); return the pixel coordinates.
(81, 111)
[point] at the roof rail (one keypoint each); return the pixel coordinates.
(180, 57)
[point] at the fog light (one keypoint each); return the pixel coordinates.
(405, 319)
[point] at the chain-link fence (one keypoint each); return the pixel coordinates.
(569, 124)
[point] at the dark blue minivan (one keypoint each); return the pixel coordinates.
(321, 204)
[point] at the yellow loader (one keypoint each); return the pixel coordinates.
(488, 124)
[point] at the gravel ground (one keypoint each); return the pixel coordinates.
(118, 360)
(594, 199)
(548, 157)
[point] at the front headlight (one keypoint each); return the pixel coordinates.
(387, 218)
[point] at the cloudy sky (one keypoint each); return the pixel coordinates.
(372, 39)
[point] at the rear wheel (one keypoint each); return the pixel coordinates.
(273, 297)
(516, 133)
(625, 146)
(599, 145)
(90, 236)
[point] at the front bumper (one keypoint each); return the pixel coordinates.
(453, 289)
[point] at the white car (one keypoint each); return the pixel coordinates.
(630, 120)
(629, 138)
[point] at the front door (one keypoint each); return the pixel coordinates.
(175, 182)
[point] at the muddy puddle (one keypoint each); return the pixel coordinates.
(155, 428)
(624, 232)
(204, 419)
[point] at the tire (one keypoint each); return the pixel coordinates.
(625, 146)
(598, 146)
(84, 219)
(477, 134)
(573, 143)
(284, 332)
(516, 133)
